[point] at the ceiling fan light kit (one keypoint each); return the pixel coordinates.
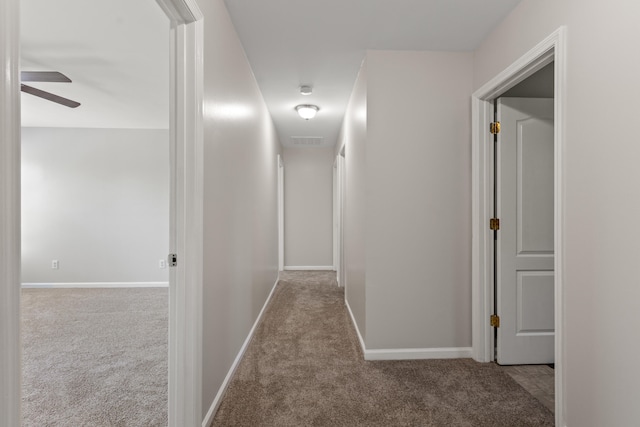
(307, 111)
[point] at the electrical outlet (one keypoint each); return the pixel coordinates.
(55, 264)
(162, 263)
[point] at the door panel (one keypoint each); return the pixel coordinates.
(535, 302)
(535, 186)
(525, 259)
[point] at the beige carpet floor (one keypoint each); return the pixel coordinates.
(304, 367)
(95, 357)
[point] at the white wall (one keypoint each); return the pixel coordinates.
(240, 198)
(418, 200)
(96, 200)
(601, 201)
(308, 207)
(353, 137)
(408, 203)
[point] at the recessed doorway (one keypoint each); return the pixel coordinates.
(95, 213)
(185, 340)
(485, 262)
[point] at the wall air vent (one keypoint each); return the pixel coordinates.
(307, 140)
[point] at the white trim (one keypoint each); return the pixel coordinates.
(338, 227)
(186, 289)
(181, 11)
(280, 213)
(355, 325)
(407, 353)
(417, 353)
(553, 48)
(208, 419)
(98, 285)
(340, 267)
(560, 95)
(309, 267)
(481, 240)
(10, 361)
(334, 213)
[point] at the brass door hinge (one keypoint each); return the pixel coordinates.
(494, 128)
(494, 321)
(494, 224)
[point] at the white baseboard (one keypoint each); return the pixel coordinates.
(408, 353)
(355, 325)
(418, 353)
(208, 419)
(98, 285)
(309, 267)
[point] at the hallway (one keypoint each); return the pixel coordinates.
(305, 367)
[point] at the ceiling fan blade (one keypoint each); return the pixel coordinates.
(49, 96)
(44, 76)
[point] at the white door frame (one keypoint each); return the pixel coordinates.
(10, 363)
(336, 224)
(553, 48)
(341, 188)
(337, 219)
(280, 213)
(185, 312)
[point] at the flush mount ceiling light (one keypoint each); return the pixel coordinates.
(305, 90)
(307, 111)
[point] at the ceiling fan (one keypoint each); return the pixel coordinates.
(46, 76)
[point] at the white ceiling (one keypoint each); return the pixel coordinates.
(116, 52)
(321, 43)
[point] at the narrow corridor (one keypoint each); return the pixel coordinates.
(305, 367)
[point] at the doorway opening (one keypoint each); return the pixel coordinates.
(485, 263)
(339, 186)
(280, 213)
(185, 311)
(95, 203)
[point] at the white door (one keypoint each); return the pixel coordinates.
(525, 241)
